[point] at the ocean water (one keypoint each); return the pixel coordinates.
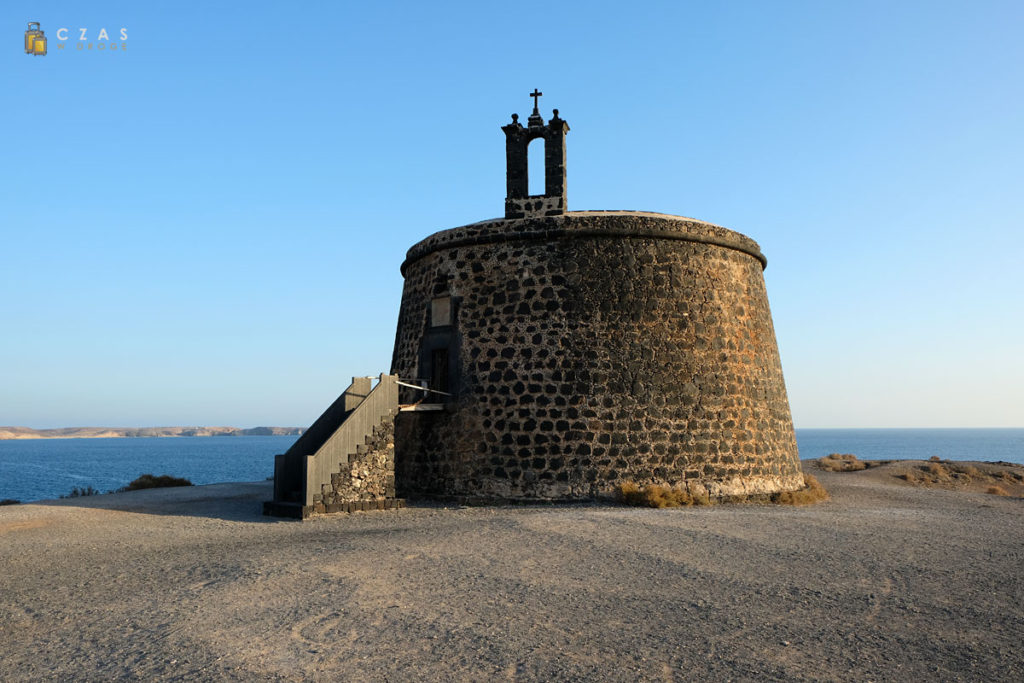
(914, 444)
(36, 469)
(47, 468)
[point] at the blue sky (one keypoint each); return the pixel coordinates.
(206, 228)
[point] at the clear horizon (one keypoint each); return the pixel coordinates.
(206, 228)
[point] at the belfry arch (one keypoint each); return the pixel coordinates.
(536, 175)
(519, 203)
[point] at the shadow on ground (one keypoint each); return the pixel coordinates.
(234, 501)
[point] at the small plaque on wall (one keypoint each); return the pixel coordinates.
(441, 311)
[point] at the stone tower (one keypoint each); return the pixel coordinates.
(575, 350)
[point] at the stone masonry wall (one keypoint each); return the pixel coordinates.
(367, 481)
(594, 348)
(538, 206)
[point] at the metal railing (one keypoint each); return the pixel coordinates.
(422, 386)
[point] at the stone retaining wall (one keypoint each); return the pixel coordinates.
(367, 481)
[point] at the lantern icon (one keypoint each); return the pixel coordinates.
(35, 40)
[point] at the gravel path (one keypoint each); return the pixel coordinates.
(883, 582)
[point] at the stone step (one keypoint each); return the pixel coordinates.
(360, 505)
(273, 508)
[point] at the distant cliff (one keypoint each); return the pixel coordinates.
(117, 432)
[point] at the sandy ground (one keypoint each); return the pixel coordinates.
(883, 582)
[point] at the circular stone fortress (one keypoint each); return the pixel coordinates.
(571, 351)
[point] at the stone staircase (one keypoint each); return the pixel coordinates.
(345, 461)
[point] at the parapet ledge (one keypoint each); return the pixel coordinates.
(580, 224)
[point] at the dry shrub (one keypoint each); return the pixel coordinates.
(935, 458)
(629, 493)
(997, 491)
(657, 496)
(844, 466)
(931, 473)
(969, 470)
(842, 462)
(812, 492)
(660, 496)
(840, 456)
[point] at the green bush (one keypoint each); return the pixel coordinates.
(148, 481)
(78, 492)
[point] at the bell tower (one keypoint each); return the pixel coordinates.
(518, 201)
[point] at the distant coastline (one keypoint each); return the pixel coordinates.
(143, 432)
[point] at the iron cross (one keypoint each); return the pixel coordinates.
(535, 94)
